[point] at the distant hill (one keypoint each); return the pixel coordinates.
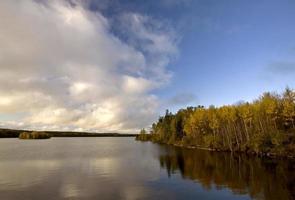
(12, 133)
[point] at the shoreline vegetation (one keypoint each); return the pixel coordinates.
(12, 133)
(263, 127)
(34, 135)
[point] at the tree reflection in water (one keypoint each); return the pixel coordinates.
(261, 178)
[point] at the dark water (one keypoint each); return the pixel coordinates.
(121, 168)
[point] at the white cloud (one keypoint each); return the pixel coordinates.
(61, 65)
(78, 88)
(136, 85)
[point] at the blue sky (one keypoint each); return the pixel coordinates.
(228, 50)
(229, 56)
(116, 65)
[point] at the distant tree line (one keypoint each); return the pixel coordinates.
(11, 133)
(266, 125)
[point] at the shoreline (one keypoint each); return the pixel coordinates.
(261, 154)
(14, 133)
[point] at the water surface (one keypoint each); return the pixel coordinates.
(121, 168)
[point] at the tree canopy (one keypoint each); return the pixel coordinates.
(266, 125)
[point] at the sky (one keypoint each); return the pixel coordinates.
(116, 65)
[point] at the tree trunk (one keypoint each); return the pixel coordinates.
(246, 130)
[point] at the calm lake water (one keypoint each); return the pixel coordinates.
(121, 168)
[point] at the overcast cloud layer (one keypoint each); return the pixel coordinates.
(61, 67)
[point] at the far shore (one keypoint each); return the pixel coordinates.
(14, 133)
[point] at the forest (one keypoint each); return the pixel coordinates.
(264, 126)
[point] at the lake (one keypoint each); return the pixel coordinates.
(122, 168)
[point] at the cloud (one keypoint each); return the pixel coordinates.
(62, 65)
(182, 98)
(157, 42)
(282, 67)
